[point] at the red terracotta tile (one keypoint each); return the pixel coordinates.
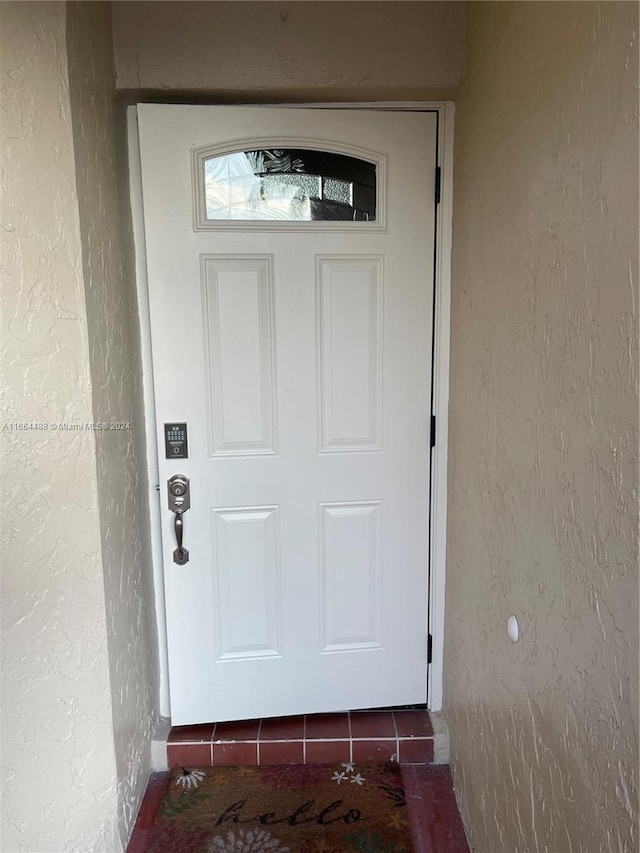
(415, 751)
(377, 724)
(413, 723)
(375, 750)
(327, 751)
(235, 754)
(191, 734)
(139, 841)
(433, 813)
(156, 788)
(189, 754)
(326, 726)
(281, 752)
(240, 730)
(147, 814)
(282, 728)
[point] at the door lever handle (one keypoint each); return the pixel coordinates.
(180, 555)
(179, 503)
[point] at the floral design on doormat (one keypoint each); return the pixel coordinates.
(190, 778)
(247, 842)
(392, 788)
(372, 842)
(348, 774)
(176, 803)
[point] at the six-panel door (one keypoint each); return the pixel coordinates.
(296, 346)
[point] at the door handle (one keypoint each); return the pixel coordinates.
(178, 526)
(179, 503)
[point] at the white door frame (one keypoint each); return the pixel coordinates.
(441, 333)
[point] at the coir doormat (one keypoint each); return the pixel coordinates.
(293, 809)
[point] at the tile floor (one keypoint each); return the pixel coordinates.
(404, 736)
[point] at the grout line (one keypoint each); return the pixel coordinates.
(327, 738)
(304, 739)
(258, 733)
(376, 738)
(350, 737)
(395, 727)
(278, 740)
(336, 739)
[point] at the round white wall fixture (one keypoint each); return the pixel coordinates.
(512, 629)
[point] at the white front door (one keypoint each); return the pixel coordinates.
(297, 351)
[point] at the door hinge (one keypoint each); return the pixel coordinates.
(438, 183)
(429, 647)
(433, 430)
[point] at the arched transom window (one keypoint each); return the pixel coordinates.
(289, 185)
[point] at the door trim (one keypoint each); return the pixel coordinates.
(441, 333)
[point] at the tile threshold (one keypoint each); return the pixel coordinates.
(402, 736)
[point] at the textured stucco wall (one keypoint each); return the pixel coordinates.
(58, 758)
(112, 318)
(320, 51)
(543, 479)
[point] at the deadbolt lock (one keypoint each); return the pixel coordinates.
(179, 493)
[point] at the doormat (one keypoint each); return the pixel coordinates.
(305, 808)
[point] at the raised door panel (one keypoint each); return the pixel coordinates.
(351, 572)
(238, 311)
(246, 570)
(349, 333)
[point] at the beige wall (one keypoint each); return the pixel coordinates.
(543, 479)
(322, 51)
(77, 653)
(114, 352)
(58, 757)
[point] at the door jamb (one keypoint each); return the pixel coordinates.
(441, 333)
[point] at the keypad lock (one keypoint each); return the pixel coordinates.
(179, 502)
